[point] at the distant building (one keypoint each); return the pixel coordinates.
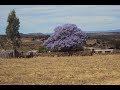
(103, 50)
(99, 50)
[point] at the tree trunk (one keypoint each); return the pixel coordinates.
(14, 51)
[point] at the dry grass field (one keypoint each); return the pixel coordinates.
(82, 70)
(91, 41)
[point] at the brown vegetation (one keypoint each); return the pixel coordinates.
(96, 69)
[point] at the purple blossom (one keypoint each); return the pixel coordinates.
(66, 36)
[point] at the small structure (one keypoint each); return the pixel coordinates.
(9, 53)
(33, 51)
(99, 50)
(103, 50)
(6, 53)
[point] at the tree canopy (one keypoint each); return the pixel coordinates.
(66, 38)
(12, 29)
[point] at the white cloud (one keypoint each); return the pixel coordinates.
(70, 19)
(88, 17)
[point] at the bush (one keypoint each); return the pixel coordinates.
(42, 49)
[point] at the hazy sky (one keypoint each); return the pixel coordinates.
(44, 18)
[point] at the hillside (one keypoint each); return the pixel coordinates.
(32, 35)
(103, 33)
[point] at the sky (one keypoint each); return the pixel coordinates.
(44, 18)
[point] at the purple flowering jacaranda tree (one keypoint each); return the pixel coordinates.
(65, 38)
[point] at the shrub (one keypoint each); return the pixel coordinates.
(42, 49)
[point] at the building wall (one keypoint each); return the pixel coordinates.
(104, 51)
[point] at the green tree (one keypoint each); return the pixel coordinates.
(42, 49)
(3, 42)
(12, 30)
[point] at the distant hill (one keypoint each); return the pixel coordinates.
(117, 30)
(106, 31)
(36, 34)
(89, 33)
(31, 34)
(48, 33)
(24, 35)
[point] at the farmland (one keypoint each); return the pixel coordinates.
(42, 51)
(73, 70)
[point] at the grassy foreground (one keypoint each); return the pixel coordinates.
(82, 70)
